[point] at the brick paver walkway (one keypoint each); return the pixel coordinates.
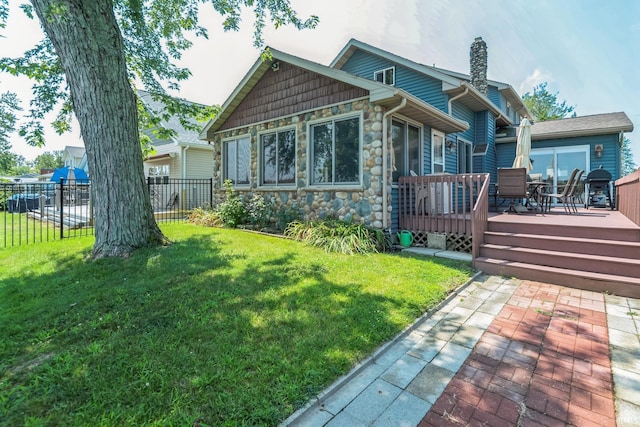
(544, 361)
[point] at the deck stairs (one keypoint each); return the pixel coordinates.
(585, 256)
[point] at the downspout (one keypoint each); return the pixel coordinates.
(385, 172)
(184, 161)
(184, 176)
(460, 95)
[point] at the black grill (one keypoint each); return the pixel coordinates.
(598, 182)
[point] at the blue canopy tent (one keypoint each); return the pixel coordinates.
(70, 173)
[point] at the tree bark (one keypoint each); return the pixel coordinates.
(88, 41)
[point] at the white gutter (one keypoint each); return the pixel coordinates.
(460, 95)
(385, 173)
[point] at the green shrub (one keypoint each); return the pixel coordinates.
(205, 217)
(259, 212)
(286, 215)
(232, 211)
(338, 236)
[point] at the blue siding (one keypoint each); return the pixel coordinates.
(463, 112)
(490, 157)
(423, 87)
(395, 209)
(481, 134)
(496, 97)
(426, 150)
(609, 160)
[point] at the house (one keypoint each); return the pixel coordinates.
(75, 157)
(183, 155)
(335, 140)
(559, 146)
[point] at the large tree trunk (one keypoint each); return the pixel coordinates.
(88, 41)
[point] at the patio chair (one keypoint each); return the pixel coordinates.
(512, 184)
(574, 197)
(563, 197)
(173, 199)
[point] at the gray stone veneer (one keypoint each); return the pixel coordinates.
(360, 203)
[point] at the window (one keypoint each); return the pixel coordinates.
(335, 152)
(237, 158)
(159, 174)
(278, 158)
(386, 76)
(406, 149)
(437, 152)
(162, 170)
(465, 156)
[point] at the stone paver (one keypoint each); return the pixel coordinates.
(623, 317)
(542, 361)
(502, 352)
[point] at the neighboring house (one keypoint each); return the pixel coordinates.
(333, 140)
(183, 155)
(75, 157)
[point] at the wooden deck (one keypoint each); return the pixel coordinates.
(595, 249)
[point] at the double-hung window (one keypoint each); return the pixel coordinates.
(237, 160)
(335, 152)
(465, 156)
(406, 149)
(278, 158)
(437, 152)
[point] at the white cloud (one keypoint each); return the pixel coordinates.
(538, 76)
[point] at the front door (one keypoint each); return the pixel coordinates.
(556, 164)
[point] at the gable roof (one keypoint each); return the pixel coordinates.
(73, 151)
(183, 136)
(379, 93)
(597, 124)
(505, 89)
(454, 84)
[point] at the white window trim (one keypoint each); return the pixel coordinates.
(223, 159)
(339, 117)
(384, 75)
(259, 162)
(470, 148)
(434, 133)
(420, 127)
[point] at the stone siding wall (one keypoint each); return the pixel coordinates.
(358, 203)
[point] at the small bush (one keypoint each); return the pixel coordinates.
(232, 211)
(338, 236)
(259, 212)
(286, 215)
(205, 217)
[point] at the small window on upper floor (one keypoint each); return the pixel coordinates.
(386, 76)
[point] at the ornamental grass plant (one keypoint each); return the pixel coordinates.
(222, 327)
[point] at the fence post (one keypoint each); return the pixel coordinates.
(61, 201)
(211, 193)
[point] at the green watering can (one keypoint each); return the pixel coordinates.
(406, 238)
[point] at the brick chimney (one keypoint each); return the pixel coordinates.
(479, 65)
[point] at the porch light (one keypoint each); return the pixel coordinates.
(599, 149)
(451, 145)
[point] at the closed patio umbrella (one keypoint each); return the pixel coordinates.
(523, 146)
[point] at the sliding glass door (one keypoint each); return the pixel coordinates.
(554, 165)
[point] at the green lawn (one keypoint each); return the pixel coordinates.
(225, 326)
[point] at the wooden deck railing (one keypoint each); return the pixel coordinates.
(480, 218)
(628, 196)
(443, 203)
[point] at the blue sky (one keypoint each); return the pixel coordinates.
(587, 50)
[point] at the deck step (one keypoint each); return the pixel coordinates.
(598, 282)
(589, 263)
(578, 245)
(585, 232)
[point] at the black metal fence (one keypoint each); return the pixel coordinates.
(45, 211)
